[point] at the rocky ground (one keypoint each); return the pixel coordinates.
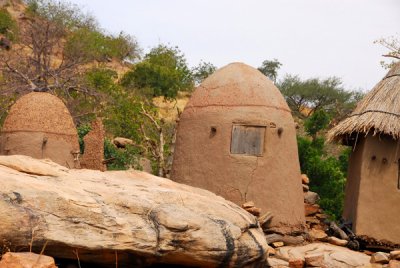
(328, 255)
(41, 192)
(316, 248)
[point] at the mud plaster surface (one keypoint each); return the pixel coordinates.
(94, 147)
(239, 94)
(40, 125)
(372, 196)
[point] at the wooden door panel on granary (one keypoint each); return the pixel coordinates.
(248, 140)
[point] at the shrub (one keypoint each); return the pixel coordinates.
(318, 121)
(327, 174)
(8, 26)
(91, 44)
(82, 131)
(163, 72)
(122, 158)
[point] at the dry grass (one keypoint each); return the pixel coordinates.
(377, 112)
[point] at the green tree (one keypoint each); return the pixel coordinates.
(86, 44)
(163, 72)
(57, 45)
(270, 68)
(305, 97)
(318, 121)
(202, 71)
(66, 16)
(327, 174)
(135, 118)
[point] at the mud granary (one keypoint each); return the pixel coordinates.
(39, 125)
(94, 147)
(236, 137)
(372, 194)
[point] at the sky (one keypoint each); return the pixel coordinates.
(311, 38)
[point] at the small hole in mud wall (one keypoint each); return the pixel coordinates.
(213, 131)
(373, 158)
(280, 131)
(398, 174)
(384, 160)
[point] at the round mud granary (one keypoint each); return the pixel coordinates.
(39, 125)
(236, 138)
(372, 195)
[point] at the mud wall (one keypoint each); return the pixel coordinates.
(94, 147)
(57, 147)
(375, 208)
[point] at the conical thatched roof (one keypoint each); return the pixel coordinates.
(41, 112)
(377, 112)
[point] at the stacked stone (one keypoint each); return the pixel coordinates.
(391, 260)
(251, 208)
(316, 219)
(314, 215)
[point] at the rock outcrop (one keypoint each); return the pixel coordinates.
(26, 259)
(129, 216)
(318, 255)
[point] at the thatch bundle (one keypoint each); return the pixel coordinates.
(378, 112)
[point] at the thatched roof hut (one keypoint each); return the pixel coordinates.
(373, 180)
(377, 112)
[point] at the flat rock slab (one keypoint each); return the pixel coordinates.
(131, 216)
(320, 255)
(26, 260)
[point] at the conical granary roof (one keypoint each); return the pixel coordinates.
(39, 112)
(238, 84)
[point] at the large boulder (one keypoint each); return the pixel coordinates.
(129, 216)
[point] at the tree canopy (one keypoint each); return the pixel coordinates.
(392, 44)
(270, 68)
(307, 96)
(162, 72)
(202, 71)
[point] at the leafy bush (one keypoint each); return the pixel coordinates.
(122, 158)
(66, 15)
(163, 72)
(82, 131)
(102, 79)
(327, 174)
(8, 26)
(318, 121)
(92, 44)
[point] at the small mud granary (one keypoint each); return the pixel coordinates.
(372, 195)
(39, 125)
(236, 138)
